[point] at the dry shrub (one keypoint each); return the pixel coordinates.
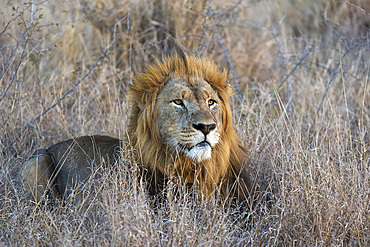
(303, 114)
(311, 18)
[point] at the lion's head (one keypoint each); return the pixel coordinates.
(181, 123)
(190, 117)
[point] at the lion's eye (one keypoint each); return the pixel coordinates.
(211, 102)
(178, 102)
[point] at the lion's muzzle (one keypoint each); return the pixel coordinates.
(204, 143)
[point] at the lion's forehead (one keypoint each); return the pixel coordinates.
(182, 88)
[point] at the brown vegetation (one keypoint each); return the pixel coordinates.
(302, 69)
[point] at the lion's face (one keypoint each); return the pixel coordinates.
(189, 118)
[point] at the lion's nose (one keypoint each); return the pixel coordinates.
(204, 128)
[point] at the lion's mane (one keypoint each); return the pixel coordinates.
(226, 171)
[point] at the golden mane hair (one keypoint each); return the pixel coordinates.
(226, 171)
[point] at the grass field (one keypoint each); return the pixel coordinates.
(300, 70)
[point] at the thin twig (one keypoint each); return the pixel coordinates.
(78, 82)
(341, 37)
(348, 48)
(282, 58)
(5, 68)
(7, 25)
(210, 14)
(303, 56)
(205, 45)
(204, 32)
(331, 80)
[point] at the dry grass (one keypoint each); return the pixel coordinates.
(308, 135)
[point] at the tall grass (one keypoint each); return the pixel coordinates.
(303, 112)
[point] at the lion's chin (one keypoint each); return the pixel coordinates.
(199, 152)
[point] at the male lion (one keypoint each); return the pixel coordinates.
(180, 126)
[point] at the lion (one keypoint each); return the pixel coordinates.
(180, 127)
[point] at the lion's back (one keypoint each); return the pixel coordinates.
(77, 159)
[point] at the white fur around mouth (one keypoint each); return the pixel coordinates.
(200, 152)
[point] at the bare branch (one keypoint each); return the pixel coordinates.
(342, 38)
(205, 45)
(210, 14)
(335, 71)
(282, 58)
(5, 68)
(7, 25)
(303, 56)
(78, 82)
